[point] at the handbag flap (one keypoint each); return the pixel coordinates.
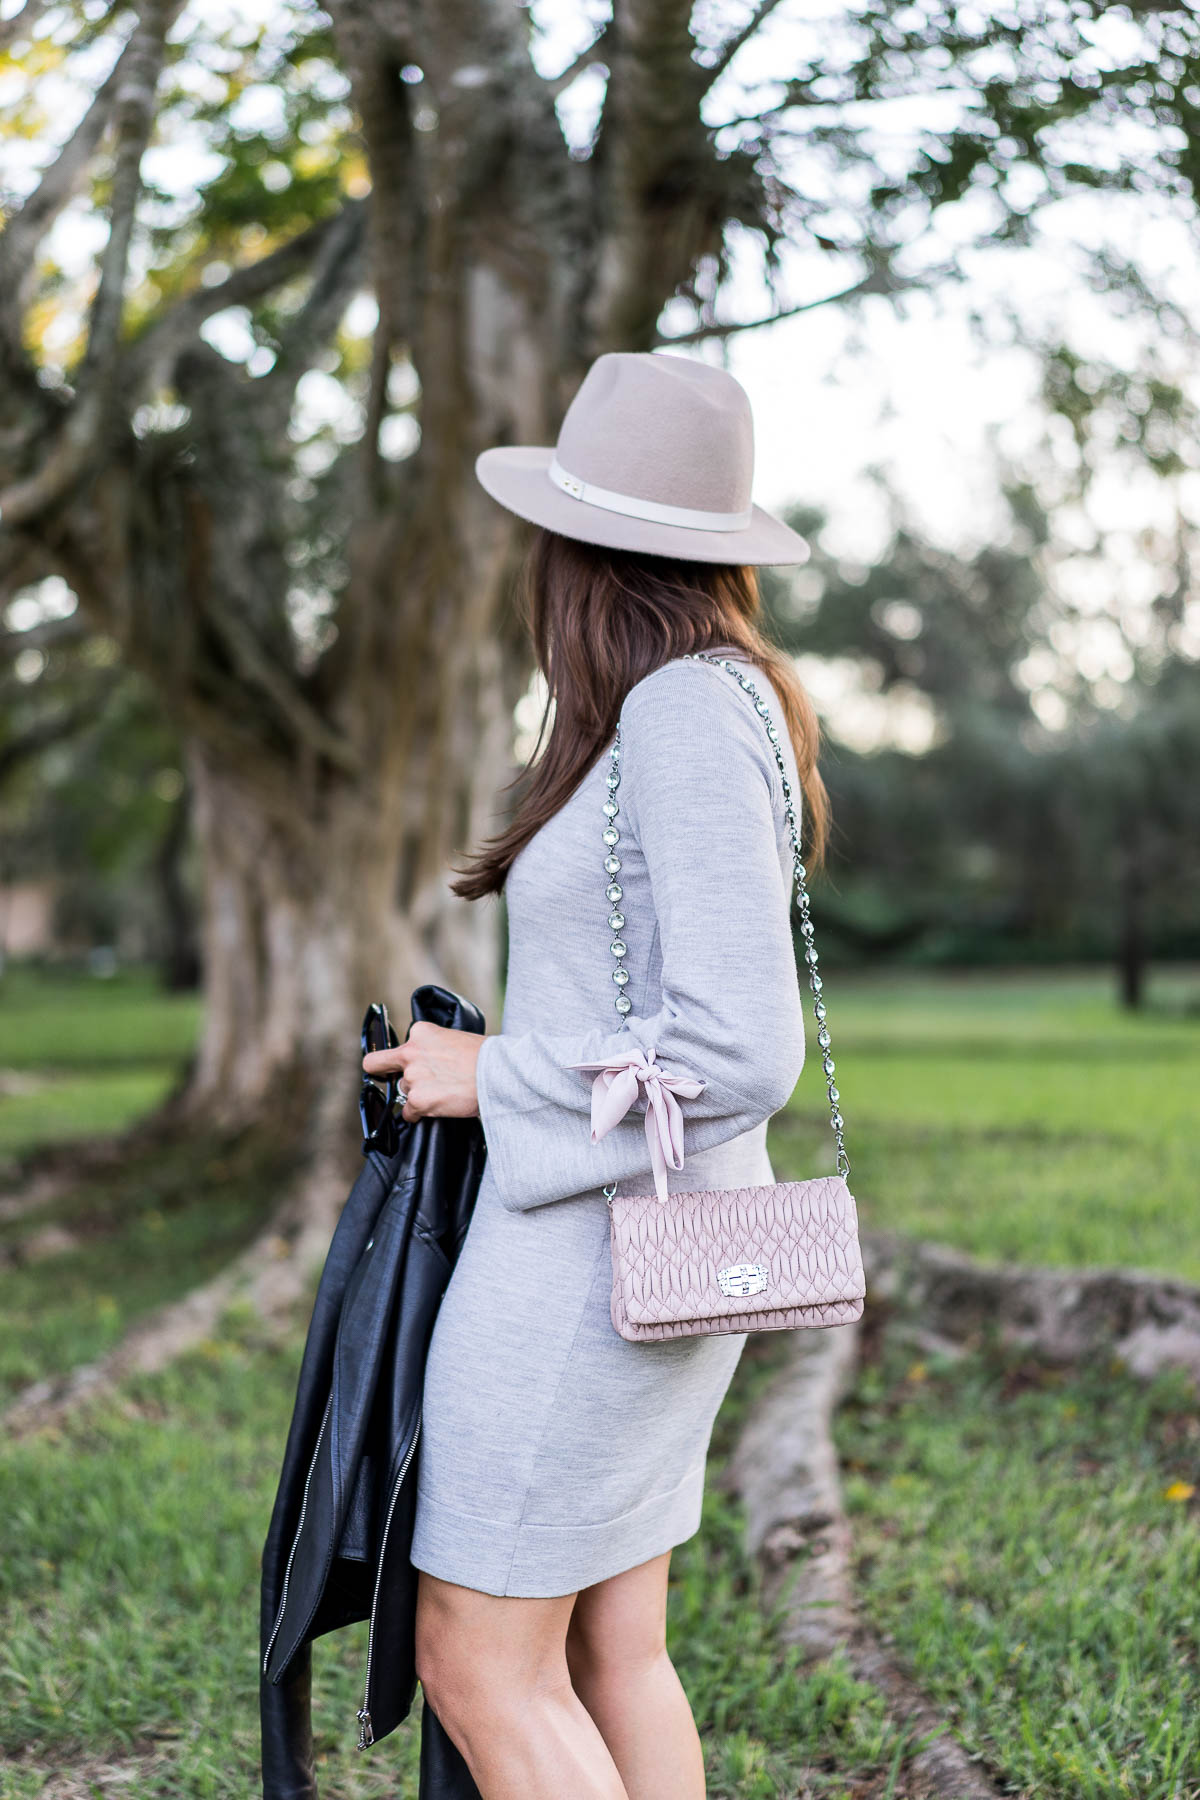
(700, 1254)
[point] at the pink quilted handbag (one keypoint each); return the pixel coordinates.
(779, 1256)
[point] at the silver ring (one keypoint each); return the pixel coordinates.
(401, 1097)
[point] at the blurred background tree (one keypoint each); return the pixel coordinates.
(270, 280)
(92, 791)
(995, 835)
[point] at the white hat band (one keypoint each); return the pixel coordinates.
(657, 514)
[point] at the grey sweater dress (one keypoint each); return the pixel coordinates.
(554, 1453)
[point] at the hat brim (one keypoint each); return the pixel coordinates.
(518, 477)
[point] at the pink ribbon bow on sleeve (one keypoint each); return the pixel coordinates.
(614, 1091)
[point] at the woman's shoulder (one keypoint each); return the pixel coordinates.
(690, 706)
(686, 683)
(679, 681)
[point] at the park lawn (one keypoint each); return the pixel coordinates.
(128, 1611)
(53, 1019)
(1029, 1537)
(140, 1235)
(1014, 1116)
(1026, 1537)
(84, 1057)
(77, 1105)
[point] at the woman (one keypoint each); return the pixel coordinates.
(560, 1463)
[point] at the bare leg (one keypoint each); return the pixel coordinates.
(495, 1672)
(617, 1655)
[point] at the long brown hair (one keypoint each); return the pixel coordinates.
(602, 619)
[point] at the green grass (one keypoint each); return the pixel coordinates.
(1013, 1116)
(1014, 1534)
(1030, 1539)
(128, 1611)
(52, 1109)
(56, 1019)
(143, 1234)
(129, 1595)
(82, 1057)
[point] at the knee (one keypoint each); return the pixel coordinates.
(455, 1684)
(472, 1678)
(604, 1660)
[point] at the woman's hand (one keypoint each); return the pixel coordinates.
(436, 1066)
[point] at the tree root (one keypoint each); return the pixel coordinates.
(34, 1195)
(34, 1178)
(785, 1464)
(785, 1470)
(270, 1276)
(938, 1766)
(1149, 1322)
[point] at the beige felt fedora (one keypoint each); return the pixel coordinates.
(656, 454)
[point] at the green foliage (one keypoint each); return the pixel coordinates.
(1028, 1538)
(91, 774)
(257, 137)
(899, 144)
(1049, 814)
(1032, 103)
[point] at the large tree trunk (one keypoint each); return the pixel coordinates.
(323, 894)
(180, 964)
(333, 792)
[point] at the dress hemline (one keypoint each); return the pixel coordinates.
(543, 1562)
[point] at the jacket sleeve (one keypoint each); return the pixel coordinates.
(698, 779)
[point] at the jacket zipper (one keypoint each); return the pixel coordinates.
(287, 1574)
(366, 1736)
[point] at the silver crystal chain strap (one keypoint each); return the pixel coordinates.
(614, 894)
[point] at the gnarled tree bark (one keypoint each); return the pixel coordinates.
(329, 796)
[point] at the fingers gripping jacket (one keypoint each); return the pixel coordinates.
(684, 1264)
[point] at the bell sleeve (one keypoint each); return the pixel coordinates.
(698, 778)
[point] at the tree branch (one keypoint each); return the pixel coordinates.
(21, 562)
(24, 20)
(261, 671)
(29, 224)
(652, 147)
(731, 46)
(53, 632)
(134, 120)
(879, 281)
(384, 102)
(558, 84)
(80, 435)
(338, 270)
(63, 724)
(150, 361)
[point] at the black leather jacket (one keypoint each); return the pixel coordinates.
(337, 1550)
